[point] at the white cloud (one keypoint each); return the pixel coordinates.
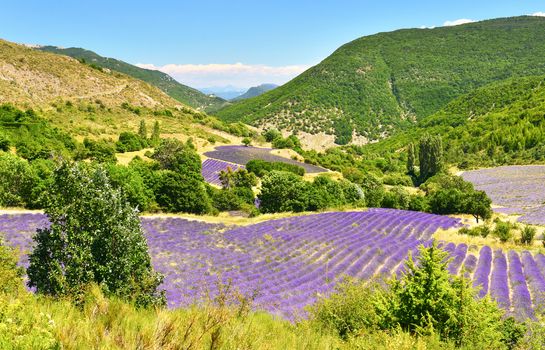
(223, 74)
(538, 14)
(457, 22)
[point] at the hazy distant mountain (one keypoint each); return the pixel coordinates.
(165, 82)
(255, 91)
(381, 83)
(226, 92)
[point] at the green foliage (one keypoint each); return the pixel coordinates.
(427, 302)
(283, 191)
(18, 181)
(396, 198)
(503, 231)
(246, 141)
(130, 142)
(430, 156)
(179, 157)
(261, 167)
(272, 134)
(94, 237)
(527, 235)
(477, 231)
(449, 194)
(32, 136)
(411, 159)
(143, 130)
(379, 82)
(138, 194)
(11, 274)
(343, 131)
(291, 142)
(102, 151)
(156, 134)
(179, 192)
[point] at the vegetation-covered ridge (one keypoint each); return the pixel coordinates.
(381, 82)
(163, 81)
(500, 123)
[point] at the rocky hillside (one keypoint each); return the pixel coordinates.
(185, 94)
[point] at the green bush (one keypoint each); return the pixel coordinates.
(527, 235)
(503, 231)
(130, 142)
(177, 192)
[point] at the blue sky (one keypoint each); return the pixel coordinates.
(239, 43)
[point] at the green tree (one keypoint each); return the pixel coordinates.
(177, 192)
(94, 237)
(430, 156)
(411, 159)
(428, 299)
(177, 156)
(283, 191)
(155, 134)
(143, 130)
(478, 204)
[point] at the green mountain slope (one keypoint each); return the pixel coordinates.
(255, 91)
(500, 123)
(165, 82)
(379, 83)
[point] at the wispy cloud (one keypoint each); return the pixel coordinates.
(539, 14)
(223, 74)
(457, 22)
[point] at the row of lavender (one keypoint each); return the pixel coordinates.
(292, 261)
(515, 280)
(211, 169)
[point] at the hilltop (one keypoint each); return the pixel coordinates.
(185, 94)
(86, 100)
(381, 83)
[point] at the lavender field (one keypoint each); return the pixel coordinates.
(293, 261)
(242, 155)
(211, 169)
(518, 189)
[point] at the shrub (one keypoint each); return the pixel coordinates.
(94, 237)
(503, 231)
(527, 235)
(130, 142)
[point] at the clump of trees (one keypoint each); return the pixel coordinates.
(285, 191)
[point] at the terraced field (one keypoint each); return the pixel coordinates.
(518, 189)
(243, 154)
(291, 262)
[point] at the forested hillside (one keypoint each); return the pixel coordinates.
(379, 83)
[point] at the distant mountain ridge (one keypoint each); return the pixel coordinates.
(255, 91)
(381, 83)
(185, 94)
